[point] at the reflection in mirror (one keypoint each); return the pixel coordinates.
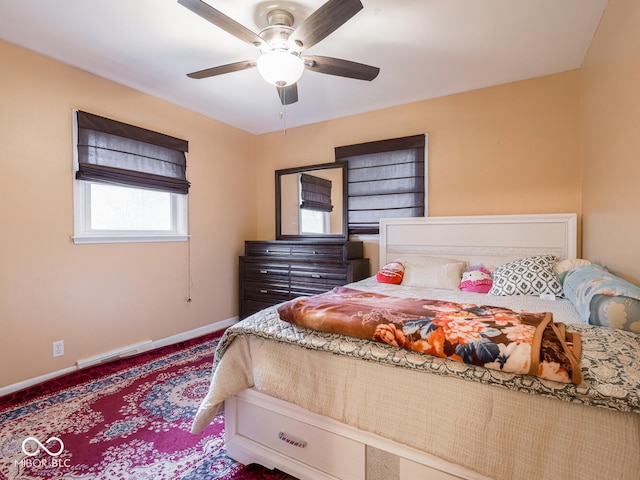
(310, 202)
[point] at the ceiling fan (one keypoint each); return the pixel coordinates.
(281, 62)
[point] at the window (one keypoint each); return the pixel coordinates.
(130, 183)
(314, 222)
(315, 204)
(385, 179)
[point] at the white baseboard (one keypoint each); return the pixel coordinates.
(125, 351)
(198, 332)
(34, 381)
(115, 354)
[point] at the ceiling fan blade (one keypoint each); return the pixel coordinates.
(325, 20)
(221, 69)
(341, 68)
(222, 21)
(288, 95)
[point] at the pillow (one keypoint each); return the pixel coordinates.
(391, 273)
(477, 279)
(586, 287)
(563, 266)
(527, 276)
(618, 312)
(446, 276)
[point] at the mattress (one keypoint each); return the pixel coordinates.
(503, 426)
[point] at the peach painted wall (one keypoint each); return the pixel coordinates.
(610, 81)
(513, 148)
(508, 149)
(101, 297)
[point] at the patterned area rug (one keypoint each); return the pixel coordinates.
(128, 419)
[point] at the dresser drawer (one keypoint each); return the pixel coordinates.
(265, 271)
(331, 252)
(327, 451)
(317, 273)
(266, 249)
(272, 292)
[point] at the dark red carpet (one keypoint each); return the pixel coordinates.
(128, 419)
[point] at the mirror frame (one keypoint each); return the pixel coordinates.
(306, 169)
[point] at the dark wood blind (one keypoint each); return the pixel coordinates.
(114, 152)
(384, 179)
(315, 193)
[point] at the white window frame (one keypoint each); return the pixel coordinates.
(84, 234)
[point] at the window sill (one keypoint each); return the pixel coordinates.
(111, 238)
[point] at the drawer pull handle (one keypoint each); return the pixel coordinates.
(264, 291)
(291, 441)
(264, 271)
(316, 275)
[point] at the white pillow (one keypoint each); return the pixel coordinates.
(565, 265)
(446, 276)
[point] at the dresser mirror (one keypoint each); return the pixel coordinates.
(311, 202)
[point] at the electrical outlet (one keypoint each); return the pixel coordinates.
(58, 348)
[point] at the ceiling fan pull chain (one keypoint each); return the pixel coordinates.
(283, 117)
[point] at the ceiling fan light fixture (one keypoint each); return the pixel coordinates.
(280, 68)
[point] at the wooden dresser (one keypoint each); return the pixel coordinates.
(274, 271)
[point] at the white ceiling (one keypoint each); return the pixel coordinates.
(424, 48)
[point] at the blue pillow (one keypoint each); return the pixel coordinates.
(618, 312)
(601, 298)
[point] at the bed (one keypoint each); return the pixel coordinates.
(320, 405)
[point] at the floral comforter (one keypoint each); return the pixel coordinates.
(609, 362)
(487, 336)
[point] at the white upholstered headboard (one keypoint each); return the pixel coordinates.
(489, 239)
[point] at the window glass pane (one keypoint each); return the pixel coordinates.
(123, 208)
(313, 221)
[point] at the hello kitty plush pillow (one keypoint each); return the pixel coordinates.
(476, 278)
(391, 273)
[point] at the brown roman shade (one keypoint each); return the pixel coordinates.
(118, 153)
(384, 179)
(315, 193)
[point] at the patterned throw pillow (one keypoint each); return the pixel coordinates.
(392, 272)
(528, 276)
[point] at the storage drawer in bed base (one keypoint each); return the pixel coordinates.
(314, 447)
